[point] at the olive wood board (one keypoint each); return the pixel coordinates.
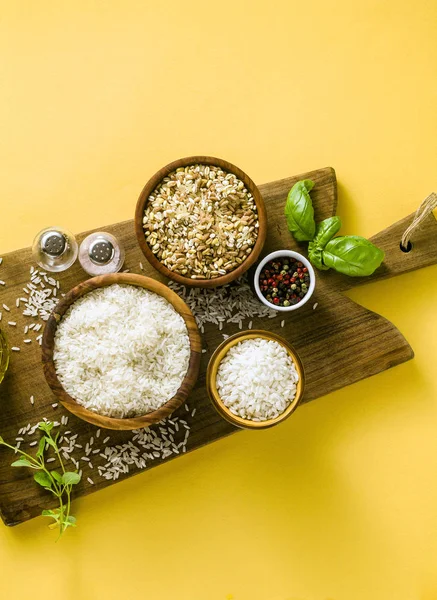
(339, 342)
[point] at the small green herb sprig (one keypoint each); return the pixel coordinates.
(351, 255)
(59, 484)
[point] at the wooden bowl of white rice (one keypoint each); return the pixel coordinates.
(121, 351)
(255, 379)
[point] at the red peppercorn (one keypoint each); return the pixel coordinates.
(276, 300)
(293, 280)
(305, 270)
(271, 281)
(279, 278)
(265, 282)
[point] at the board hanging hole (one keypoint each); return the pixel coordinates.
(406, 248)
(425, 209)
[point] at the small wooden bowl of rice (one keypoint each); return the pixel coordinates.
(255, 379)
(201, 221)
(121, 351)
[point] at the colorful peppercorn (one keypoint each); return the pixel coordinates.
(284, 281)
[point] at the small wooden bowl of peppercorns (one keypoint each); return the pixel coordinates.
(284, 280)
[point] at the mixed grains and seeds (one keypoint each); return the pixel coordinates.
(201, 222)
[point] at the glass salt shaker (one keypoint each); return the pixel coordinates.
(101, 253)
(55, 249)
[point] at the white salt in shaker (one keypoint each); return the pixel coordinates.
(55, 249)
(101, 253)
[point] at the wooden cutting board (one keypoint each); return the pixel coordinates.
(339, 342)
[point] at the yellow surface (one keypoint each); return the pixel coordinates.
(339, 503)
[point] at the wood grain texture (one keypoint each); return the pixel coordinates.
(109, 422)
(157, 179)
(339, 343)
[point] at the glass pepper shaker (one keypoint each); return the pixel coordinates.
(55, 249)
(101, 253)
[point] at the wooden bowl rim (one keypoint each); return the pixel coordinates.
(129, 423)
(226, 166)
(218, 356)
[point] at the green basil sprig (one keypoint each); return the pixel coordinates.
(349, 254)
(60, 484)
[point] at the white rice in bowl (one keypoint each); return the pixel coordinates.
(257, 379)
(121, 351)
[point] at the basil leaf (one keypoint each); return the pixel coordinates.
(41, 447)
(324, 232)
(43, 479)
(299, 211)
(22, 462)
(50, 442)
(54, 514)
(315, 254)
(70, 478)
(46, 426)
(56, 476)
(352, 255)
(70, 521)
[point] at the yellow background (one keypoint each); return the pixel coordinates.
(339, 503)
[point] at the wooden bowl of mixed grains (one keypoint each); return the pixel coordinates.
(201, 221)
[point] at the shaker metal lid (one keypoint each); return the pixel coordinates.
(53, 243)
(101, 251)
